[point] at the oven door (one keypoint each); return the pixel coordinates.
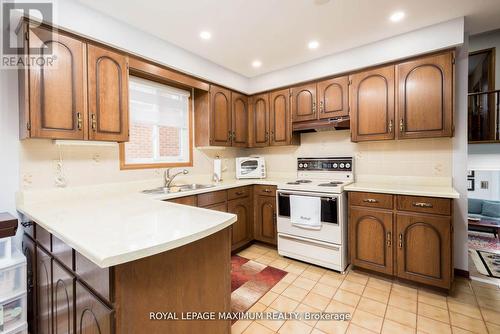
(330, 230)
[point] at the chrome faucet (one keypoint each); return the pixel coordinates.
(216, 178)
(168, 179)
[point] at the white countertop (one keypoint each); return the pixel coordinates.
(114, 224)
(443, 191)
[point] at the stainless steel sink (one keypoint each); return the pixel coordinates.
(176, 189)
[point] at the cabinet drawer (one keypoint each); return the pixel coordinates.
(238, 193)
(43, 238)
(97, 278)
(374, 200)
(265, 190)
(188, 200)
(218, 207)
(440, 206)
(62, 252)
(212, 198)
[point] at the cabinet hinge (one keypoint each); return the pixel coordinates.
(350, 82)
(26, 36)
(453, 60)
(28, 126)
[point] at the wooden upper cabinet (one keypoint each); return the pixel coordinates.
(425, 97)
(279, 118)
(108, 94)
(260, 120)
(372, 104)
(220, 115)
(57, 93)
(304, 103)
(333, 97)
(240, 117)
(424, 249)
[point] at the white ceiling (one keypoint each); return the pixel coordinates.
(277, 32)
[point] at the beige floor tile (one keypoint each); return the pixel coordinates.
(271, 324)
(260, 249)
(465, 322)
(392, 327)
(466, 309)
(265, 259)
(310, 275)
(317, 331)
(324, 290)
(357, 278)
(280, 287)
(295, 293)
(355, 329)
(367, 320)
(303, 308)
(295, 268)
(347, 297)
(458, 330)
(284, 304)
(487, 293)
(401, 316)
(403, 303)
(372, 306)
(432, 299)
(289, 278)
(338, 307)
(433, 312)
(257, 307)
(491, 315)
(239, 326)
(317, 301)
(315, 269)
(430, 326)
(404, 291)
(330, 280)
(249, 255)
(464, 298)
(352, 287)
(268, 298)
(272, 253)
(378, 283)
(295, 327)
(376, 294)
(332, 326)
(256, 328)
(493, 328)
(304, 283)
(488, 302)
(279, 263)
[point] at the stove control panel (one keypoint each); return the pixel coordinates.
(343, 164)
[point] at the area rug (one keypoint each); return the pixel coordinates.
(483, 242)
(250, 281)
(491, 263)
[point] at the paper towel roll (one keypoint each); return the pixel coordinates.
(217, 169)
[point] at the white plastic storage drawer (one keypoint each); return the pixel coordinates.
(12, 313)
(21, 329)
(12, 276)
(5, 248)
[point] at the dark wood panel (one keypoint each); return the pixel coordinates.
(260, 120)
(44, 238)
(29, 250)
(62, 252)
(220, 116)
(333, 97)
(92, 316)
(265, 219)
(217, 207)
(187, 200)
(303, 103)
(374, 200)
(211, 198)
(441, 206)
(241, 231)
(62, 296)
(371, 95)
(265, 190)
(239, 192)
(239, 120)
(280, 118)
(99, 279)
(370, 239)
(44, 291)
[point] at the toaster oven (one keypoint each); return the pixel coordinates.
(250, 168)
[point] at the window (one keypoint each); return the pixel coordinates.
(160, 126)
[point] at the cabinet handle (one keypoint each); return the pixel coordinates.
(321, 106)
(267, 135)
(401, 126)
(314, 107)
(390, 126)
(400, 240)
(79, 120)
(94, 122)
(239, 193)
(422, 205)
(267, 190)
(274, 218)
(389, 239)
(26, 224)
(370, 200)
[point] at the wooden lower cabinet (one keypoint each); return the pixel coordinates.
(241, 231)
(186, 200)
(424, 248)
(265, 219)
(29, 251)
(44, 291)
(370, 232)
(62, 296)
(92, 316)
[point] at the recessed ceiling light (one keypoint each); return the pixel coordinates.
(313, 45)
(256, 63)
(397, 16)
(205, 35)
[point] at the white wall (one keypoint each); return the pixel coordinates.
(493, 190)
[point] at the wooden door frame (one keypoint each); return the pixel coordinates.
(492, 64)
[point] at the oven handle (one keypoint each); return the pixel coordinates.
(309, 241)
(287, 194)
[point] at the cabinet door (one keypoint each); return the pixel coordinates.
(260, 120)
(370, 238)
(425, 97)
(424, 249)
(62, 296)
(108, 94)
(371, 96)
(241, 230)
(279, 118)
(333, 97)
(57, 92)
(44, 292)
(240, 120)
(220, 116)
(266, 219)
(187, 200)
(304, 103)
(92, 316)
(30, 253)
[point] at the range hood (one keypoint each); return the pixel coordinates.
(336, 123)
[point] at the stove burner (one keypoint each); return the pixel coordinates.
(330, 184)
(299, 182)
